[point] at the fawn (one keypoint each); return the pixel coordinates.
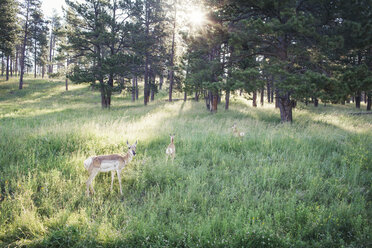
(236, 132)
(171, 149)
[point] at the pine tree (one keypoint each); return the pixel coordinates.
(100, 40)
(28, 8)
(38, 34)
(8, 31)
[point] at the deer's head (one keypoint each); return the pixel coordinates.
(132, 148)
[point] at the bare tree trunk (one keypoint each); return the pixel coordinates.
(66, 83)
(268, 92)
(7, 68)
(133, 89)
(146, 89)
(227, 99)
(161, 81)
(2, 65)
(285, 106)
(35, 55)
(213, 101)
(357, 100)
(208, 99)
(254, 99)
(262, 96)
(152, 94)
(23, 53)
(369, 100)
(316, 102)
(11, 66)
(171, 81)
(16, 62)
(196, 95)
(276, 99)
(136, 87)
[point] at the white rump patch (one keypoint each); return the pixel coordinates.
(88, 162)
(169, 151)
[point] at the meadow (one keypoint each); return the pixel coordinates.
(305, 184)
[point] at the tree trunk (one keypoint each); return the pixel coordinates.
(66, 83)
(23, 52)
(262, 96)
(185, 96)
(35, 55)
(42, 71)
(196, 95)
(104, 99)
(11, 66)
(208, 100)
(254, 99)
(146, 85)
(2, 64)
(16, 62)
(152, 94)
(276, 98)
(285, 106)
(214, 102)
(227, 99)
(133, 89)
(161, 81)
(272, 93)
(365, 97)
(146, 89)
(357, 100)
(268, 92)
(171, 81)
(316, 102)
(369, 100)
(7, 68)
(136, 87)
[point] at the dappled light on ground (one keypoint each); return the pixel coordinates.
(280, 184)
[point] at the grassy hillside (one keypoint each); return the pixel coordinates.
(302, 185)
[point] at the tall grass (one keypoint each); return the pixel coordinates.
(302, 185)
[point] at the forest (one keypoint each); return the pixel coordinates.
(267, 102)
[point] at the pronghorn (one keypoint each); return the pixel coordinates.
(236, 131)
(171, 149)
(106, 163)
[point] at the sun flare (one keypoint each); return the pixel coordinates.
(197, 17)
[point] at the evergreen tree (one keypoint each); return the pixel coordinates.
(8, 31)
(38, 34)
(28, 8)
(98, 35)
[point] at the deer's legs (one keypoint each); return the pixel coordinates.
(92, 175)
(119, 178)
(112, 178)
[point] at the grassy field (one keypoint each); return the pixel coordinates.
(302, 185)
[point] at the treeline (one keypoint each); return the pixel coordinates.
(297, 50)
(292, 50)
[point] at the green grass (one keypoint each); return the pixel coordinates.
(302, 185)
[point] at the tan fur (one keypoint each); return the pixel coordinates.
(236, 132)
(171, 149)
(94, 165)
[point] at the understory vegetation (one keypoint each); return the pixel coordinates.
(305, 184)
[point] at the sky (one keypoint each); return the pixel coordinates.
(49, 5)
